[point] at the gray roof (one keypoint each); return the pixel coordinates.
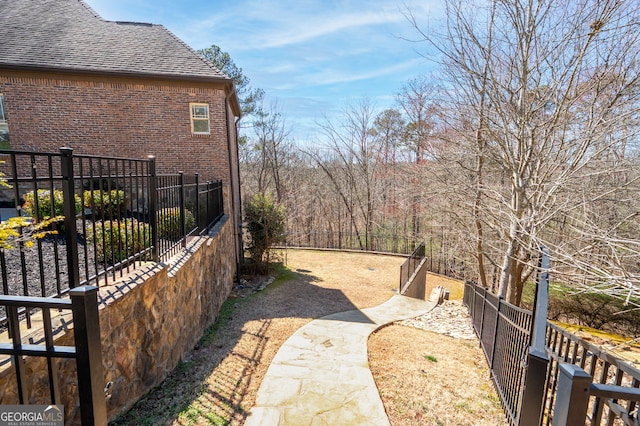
(67, 35)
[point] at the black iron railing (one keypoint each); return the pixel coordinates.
(438, 261)
(108, 216)
(527, 356)
(185, 208)
(111, 221)
(409, 267)
(503, 330)
(398, 244)
(117, 214)
(87, 349)
(614, 384)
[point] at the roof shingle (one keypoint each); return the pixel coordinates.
(69, 35)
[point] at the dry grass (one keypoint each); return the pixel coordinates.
(217, 383)
(455, 287)
(434, 380)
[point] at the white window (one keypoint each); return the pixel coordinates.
(4, 128)
(200, 119)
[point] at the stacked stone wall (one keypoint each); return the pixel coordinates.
(148, 322)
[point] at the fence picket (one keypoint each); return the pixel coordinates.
(135, 195)
(106, 234)
(513, 328)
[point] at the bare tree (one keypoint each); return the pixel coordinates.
(272, 146)
(546, 92)
(351, 166)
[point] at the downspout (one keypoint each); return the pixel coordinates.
(240, 239)
(237, 221)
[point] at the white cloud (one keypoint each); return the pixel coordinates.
(311, 55)
(278, 24)
(327, 77)
(313, 28)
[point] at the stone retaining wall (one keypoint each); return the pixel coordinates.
(148, 322)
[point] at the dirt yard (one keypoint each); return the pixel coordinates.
(424, 377)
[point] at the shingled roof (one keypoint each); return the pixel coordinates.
(67, 35)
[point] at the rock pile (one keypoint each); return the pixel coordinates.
(246, 287)
(449, 318)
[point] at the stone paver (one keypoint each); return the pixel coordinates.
(321, 376)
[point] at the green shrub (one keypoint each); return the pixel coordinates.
(169, 222)
(117, 240)
(265, 223)
(105, 204)
(44, 204)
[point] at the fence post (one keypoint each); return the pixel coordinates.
(495, 334)
(86, 332)
(572, 396)
(18, 360)
(537, 360)
(69, 209)
(183, 227)
(221, 197)
(153, 207)
(210, 201)
(472, 302)
(197, 212)
(534, 389)
(484, 308)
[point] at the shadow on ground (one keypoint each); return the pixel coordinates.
(217, 382)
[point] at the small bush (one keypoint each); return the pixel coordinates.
(265, 222)
(169, 222)
(105, 204)
(117, 240)
(44, 204)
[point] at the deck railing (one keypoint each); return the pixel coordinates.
(545, 375)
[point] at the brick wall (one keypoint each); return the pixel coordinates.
(123, 117)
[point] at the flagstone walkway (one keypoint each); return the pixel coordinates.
(321, 376)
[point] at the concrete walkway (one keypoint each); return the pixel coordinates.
(321, 376)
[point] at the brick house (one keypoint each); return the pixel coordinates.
(70, 78)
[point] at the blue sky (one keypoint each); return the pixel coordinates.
(312, 57)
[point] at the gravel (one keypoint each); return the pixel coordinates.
(33, 272)
(450, 318)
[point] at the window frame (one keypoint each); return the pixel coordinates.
(195, 118)
(4, 123)
(3, 110)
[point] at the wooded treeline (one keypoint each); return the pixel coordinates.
(526, 137)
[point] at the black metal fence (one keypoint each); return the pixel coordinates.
(439, 261)
(504, 332)
(528, 375)
(613, 385)
(87, 350)
(410, 265)
(346, 241)
(117, 214)
(186, 208)
(105, 217)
